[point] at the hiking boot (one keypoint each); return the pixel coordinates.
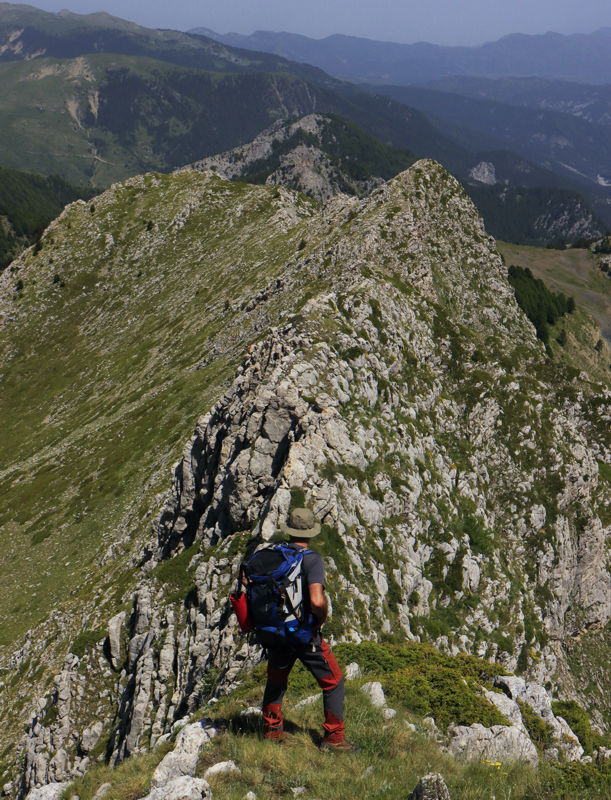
(339, 747)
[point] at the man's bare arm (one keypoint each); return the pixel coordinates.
(318, 602)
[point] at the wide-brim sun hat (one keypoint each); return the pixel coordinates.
(301, 524)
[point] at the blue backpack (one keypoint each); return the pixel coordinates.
(274, 593)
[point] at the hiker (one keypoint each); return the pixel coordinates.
(307, 644)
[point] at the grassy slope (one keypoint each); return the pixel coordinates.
(106, 362)
(68, 35)
(394, 754)
(102, 118)
(574, 272)
(36, 129)
(120, 350)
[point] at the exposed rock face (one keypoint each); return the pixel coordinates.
(52, 791)
(408, 402)
(296, 155)
(484, 172)
(535, 696)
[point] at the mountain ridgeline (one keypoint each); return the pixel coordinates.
(580, 57)
(96, 99)
(255, 349)
(322, 155)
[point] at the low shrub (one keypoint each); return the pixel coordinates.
(578, 720)
(541, 732)
(86, 640)
(443, 693)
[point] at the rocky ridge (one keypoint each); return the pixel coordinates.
(299, 155)
(406, 398)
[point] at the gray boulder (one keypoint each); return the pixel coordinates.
(102, 791)
(222, 768)
(431, 787)
(352, 671)
(508, 708)
(52, 791)
(498, 743)
(375, 692)
(91, 736)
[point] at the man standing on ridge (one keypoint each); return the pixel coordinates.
(316, 655)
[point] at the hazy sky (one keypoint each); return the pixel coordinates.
(438, 21)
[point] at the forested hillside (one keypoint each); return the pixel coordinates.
(28, 203)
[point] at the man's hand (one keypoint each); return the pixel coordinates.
(318, 603)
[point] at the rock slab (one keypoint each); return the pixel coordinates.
(498, 743)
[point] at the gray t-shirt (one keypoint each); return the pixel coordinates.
(313, 567)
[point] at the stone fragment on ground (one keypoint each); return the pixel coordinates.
(183, 759)
(367, 771)
(431, 787)
(307, 701)
(52, 791)
(251, 711)
(183, 788)
(222, 768)
(102, 791)
(498, 743)
(352, 671)
(375, 692)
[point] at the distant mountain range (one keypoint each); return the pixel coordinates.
(579, 57)
(27, 33)
(96, 99)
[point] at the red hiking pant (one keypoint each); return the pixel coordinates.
(320, 661)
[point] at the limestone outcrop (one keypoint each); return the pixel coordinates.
(500, 742)
(294, 154)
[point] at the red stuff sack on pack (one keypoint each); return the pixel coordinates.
(240, 607)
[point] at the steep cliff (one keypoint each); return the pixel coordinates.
(392, 382)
